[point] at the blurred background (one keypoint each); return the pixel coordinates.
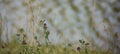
(95, 21)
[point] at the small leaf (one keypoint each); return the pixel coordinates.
(21, 30)
(69, 45)
(35, 37)
(80, 41)
(17, 34)
(87, 44)
(83, 42)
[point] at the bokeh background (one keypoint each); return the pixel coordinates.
(95, 21)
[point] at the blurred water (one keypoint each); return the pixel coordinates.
(68, 20)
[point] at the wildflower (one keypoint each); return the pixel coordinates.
(78, 48)
(4, 46)
(45, 26)
(24, 42)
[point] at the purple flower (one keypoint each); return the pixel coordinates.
(45, 26)
(24, 42)
(78, 48)
(4, 46)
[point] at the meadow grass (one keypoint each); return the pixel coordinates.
(17, 48)
(20, 45)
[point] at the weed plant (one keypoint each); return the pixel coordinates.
(20, 45)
